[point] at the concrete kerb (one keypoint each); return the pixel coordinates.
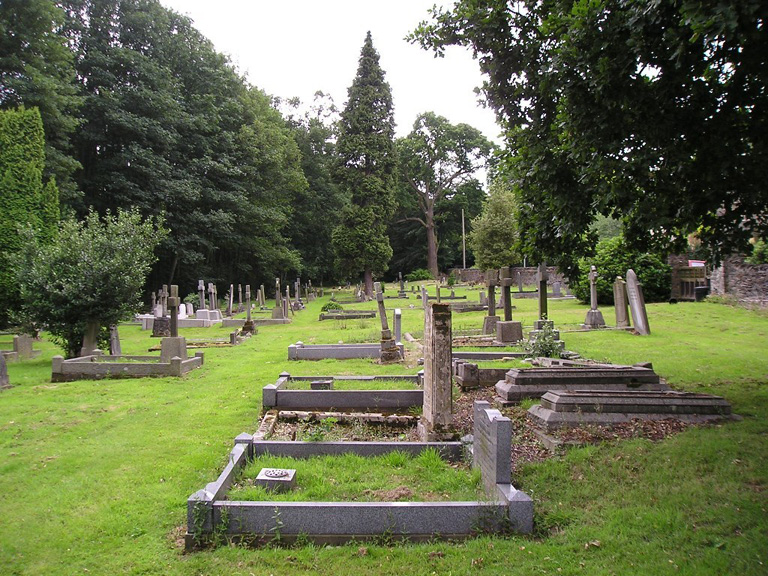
(506, 508)
(98, 366)
(276, 396)
(301, 351)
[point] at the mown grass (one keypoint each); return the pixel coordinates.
(96, 474)
(396, 476)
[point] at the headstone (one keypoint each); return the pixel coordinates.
(201, 293)
(489, 322)
(173, 304)
(278, 312)
(437, 292)
(114, 341)
(509, 332)
(401, 293)
(22, 345)
(248, 326)
(182, 311)
(161, 327)
(483, 298)
(164, 299)
(4, 381)
(211, 297)
(542, 276)
(505, 279)
(557, 289)
(594, 317)
(424, 297)
(158, 311)
(154, 302)
(389, 350)
(637, 304)
(263, 301)
(190, 309)
(230, 299)
(437, 418)
(398, 322)
(519, 281)
(239, 297)
(287, 308)
(620, 303)
(91, 338)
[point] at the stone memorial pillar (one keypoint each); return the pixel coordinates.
(594, 317)
(505, 279)
(541, 277)
(398, 322)
(164, 299)
(389, 350)
(287, 306)
(263, 302)
(230, 299)
(4, 381)
(424, 297)
(211, 296)
(436, 423)
(248, 327)
(490, 321)
(637, 304)
(620, 303)
(239, 297)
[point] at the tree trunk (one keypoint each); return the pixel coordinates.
(431, 244)
(368, 283)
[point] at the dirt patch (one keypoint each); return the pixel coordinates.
(400, 493)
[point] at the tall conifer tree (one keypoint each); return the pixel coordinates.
(366, 170)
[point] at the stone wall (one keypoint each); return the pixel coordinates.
(746, 283)
(528, 273)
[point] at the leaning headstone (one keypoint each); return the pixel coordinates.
(263, 300)
(389, 350)
(4, 381)
(620, 303)
(437, 419)
(594, 317)
(637, 304)
(114, 341)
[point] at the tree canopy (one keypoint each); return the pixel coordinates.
(653, 112)
(435, 159)
(93, 272)
(366, 170)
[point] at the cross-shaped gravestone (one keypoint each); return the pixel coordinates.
(505, 279)
(164, 299)
(542, 276)
(389, 350)
(154, 302)
(201, 293)
(173, 304)
(211, 295)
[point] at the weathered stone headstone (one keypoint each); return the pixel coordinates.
(489, 322)
(437, 292)
(190, 309)
(398, 322)
(263, 301)
(201, 294)
(278, 312)
(594, 317)
(389, 350)
(424, 297)
(620, 303)
(211, 296)
(542, 276)
(91, 338)
(505, 279)
(4, 381)
(401, 293)
(114, 341)
(637, 304)
(519, 282)
(557, 289)
(230, 299)
(437, 417)
(239, 297)
(509, 332)
(248, 326)
(154, 302)
(164, 299)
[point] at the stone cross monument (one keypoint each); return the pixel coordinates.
(389, 350)
(594, 317)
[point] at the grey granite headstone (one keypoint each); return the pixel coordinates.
(4, 382)
(637, 303)
(620, 302)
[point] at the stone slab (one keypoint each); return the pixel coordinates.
(535, 382)
(597, 408)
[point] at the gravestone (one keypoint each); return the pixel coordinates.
(4, 381)
(483, 298)
(91, 338)
(239, 297)
(154, 303)
(248, 326)
(637, 304)
(401, 293)
(263, 301)
(398, 322)
(424, 297)
(278, 312)
(557, 290)
(161, 327)
(201, 294)
(505, 279)
(489, 322)
(182, 311)
(164, 299)
(620, 303)
(541, 277)
(230, 299)
(389, 350)
(173, 345)
(436, 422)
(114, 341)
(509, 332)
(594, 317)
(519, 282)
(190, 309)
(211, 297)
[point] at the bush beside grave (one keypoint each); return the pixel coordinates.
(613, 258)
(418, 274)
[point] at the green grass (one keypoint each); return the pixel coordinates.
(96, 474)
(396, 476)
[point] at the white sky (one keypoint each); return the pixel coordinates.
(295, 47)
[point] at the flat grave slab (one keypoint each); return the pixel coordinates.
(591, 407)
(535, 382)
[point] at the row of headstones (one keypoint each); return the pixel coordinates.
(628, 300)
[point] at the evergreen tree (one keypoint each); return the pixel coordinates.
(494, 237)
(366, 171)
(24, 200)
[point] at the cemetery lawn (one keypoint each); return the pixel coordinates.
(394, 477)
(96, 474)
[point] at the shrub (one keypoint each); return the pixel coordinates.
(545, 345)
(331, 306)
(759, 253)
(418, 274)
(613, 258)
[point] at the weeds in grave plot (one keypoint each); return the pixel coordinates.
(393, 477)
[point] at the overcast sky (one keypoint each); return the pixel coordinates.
(296, 47)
